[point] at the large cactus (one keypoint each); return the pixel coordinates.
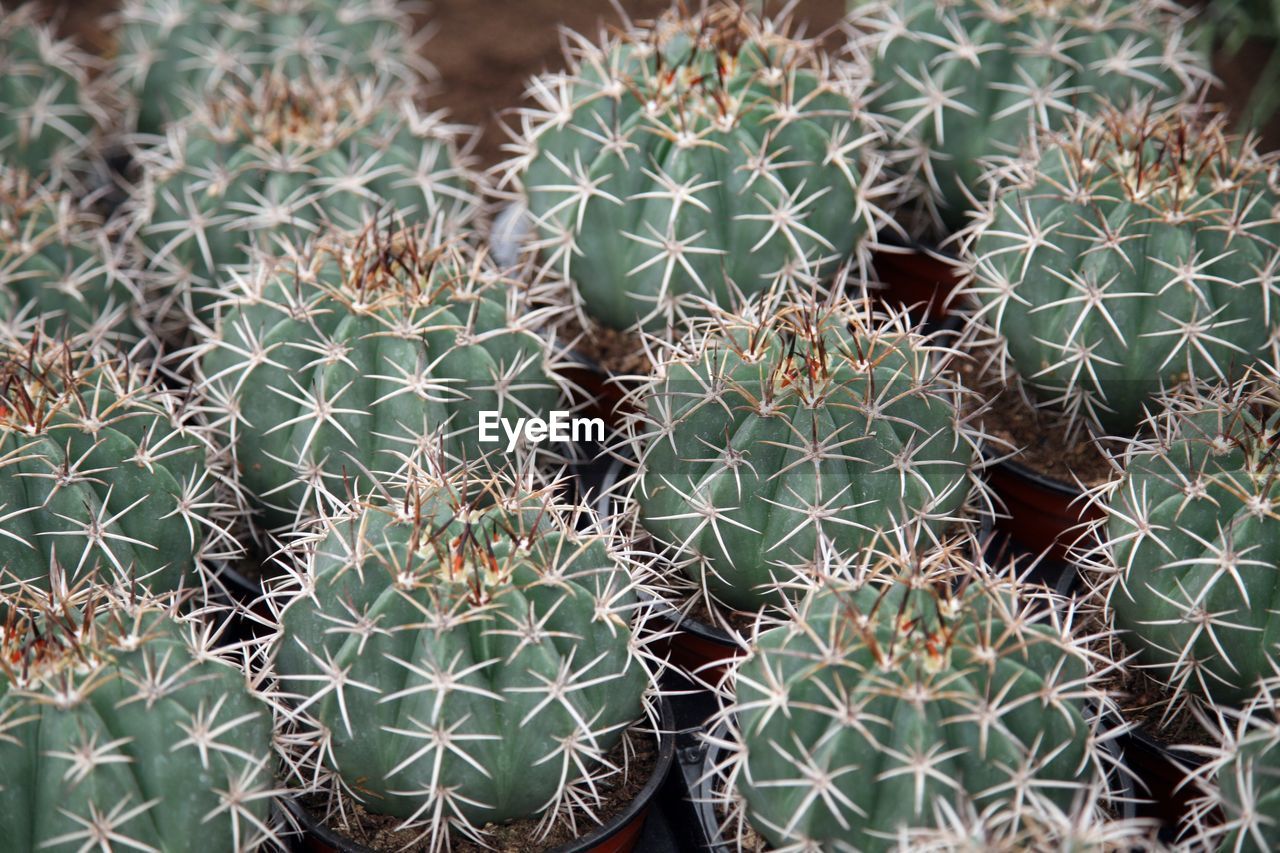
(51, 110)
(361, 358)
(60, 264)
(694, 160)
(123, 730)
(175, 54)
(964, 84)
(1136, 252)
(465, 660)
(104, 470)
(1239, 809)
(1188, 553)
(767, 438)
(879, 710)
(284, 158)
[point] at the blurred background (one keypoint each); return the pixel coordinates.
(486, 50)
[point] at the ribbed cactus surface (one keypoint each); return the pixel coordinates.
(766, 439)
(965, 84)
(1137, 252)
(467, 660)
(354, 361)
(103, 470)
(694, 160)
(122, 730)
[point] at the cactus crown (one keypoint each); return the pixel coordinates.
(120, 725)
(59, 264)
(464, 655)
(358, 359)
(766, 437)
(692, 161)
(965, 85)
(924, 687)
(285, 159)
(1136, 252)
(101, 468)
(1186, 561)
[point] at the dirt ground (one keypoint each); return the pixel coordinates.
(486, 50)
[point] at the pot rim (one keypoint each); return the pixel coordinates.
(619, 822)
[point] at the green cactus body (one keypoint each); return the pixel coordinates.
(176, 54)
(50, 111)
(966, 83)
(695, 161)
(768, 439)
(1240, 809)
(283, 160)
(876, 706)
(60, 265)
(1191, 545)
(101, 469)
(466, 666)
(1135, 254)
(129, 733)
(372, 357)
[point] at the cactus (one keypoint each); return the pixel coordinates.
(122, 729)
(466, 655)
(176, 54)
(767, 437)
(60, 263)
(281, 160)
(878, 710)
(965, 84)
(353, 359)
(694, 160)
(1238, 809)
(51, 110)
(1135, 253)
(1184, 560)
(104, 470)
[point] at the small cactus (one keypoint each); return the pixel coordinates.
(693, 161)
(881, 710)
(176, 54)
(465, 655)
(52, 110)
(121, 728)
(60, 264)
(965, 84)
(768, 437)
(104, 470)
(1186, 562)
(284, 159)
(1138, 251)
(355, 359)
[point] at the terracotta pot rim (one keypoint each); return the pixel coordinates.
(1036, 478)
(635, 810)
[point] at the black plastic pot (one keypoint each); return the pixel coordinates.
(1160, 769)
(622, 834)
(704, 780)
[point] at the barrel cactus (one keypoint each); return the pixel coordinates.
(694, 160)
(465, 655)
(765, 438)
(1186, 560)
(175, 54)
(60, 264)
(1239, 806)
(882, 710)
(284, 158)
(52, 110)
(104, 471)
(122, 729)
(354, 360)
(965, 84)
(1137, 252)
